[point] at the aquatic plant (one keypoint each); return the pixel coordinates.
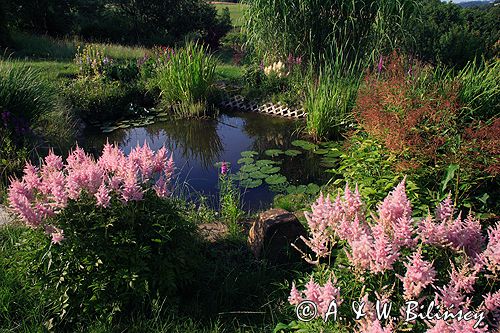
(186, 80)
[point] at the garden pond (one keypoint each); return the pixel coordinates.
(265, 154)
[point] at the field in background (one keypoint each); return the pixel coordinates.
(235, 9)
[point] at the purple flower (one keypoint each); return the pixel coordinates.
(380, 64)
(105, 61)
(223, 168)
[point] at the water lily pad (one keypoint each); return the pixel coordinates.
(240, 176)
(245, 160)
(261, 163)
(258, 175)
(292, 152)
(269, 169)
(301, 189)
(312, 189)
(248, 153)
(273, 152)
(251, 183)
(304, 144)
(249, 168)
(275, 179)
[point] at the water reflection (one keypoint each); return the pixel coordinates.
(198, 144)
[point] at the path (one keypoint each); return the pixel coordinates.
(4, 215)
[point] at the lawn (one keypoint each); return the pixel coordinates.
(235, 9)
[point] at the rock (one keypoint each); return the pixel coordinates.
(270, 237)
(5, 217)
(213, 232)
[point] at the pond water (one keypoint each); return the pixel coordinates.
(198, 145)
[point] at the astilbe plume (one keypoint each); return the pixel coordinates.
(491, 256)
(458, 234)
(492, 305)
(456, 326)
(419, 274)
(374, 327)
(322, 296)
(44, 191)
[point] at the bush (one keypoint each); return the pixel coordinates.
(186, 80)
(101, 99)
(452, 35)
(388, 256)
(117, 240)
(24, 93)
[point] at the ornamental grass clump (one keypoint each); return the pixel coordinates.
(389, 256)
(185, 79)
(115, 236)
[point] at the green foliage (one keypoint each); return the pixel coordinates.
(230, 203)
(308, 28)
(113, 260)
(447, 33)
(330, 100)
(479, 90)
(132, 22)
(186, 80)
(100, 99)
(24, 92)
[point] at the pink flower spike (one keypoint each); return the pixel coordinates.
(295, 296)
(102, 196)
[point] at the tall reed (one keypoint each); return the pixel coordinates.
(186, 80)
(310, 28)
(330, 99)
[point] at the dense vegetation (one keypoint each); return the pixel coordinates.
(402, 101)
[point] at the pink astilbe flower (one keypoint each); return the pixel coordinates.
(161, 187)
(352, 202)
(328, 294)
(492, 305)
(457, 234)
(102, 196)
(383, 255)
(395, 206)
(295, 296)
(456, 326)
(360, 253)
(318, 221)
(45, 191)
(374, 327)
(312, 291)
(321, 296)
(445, 209)
(491, 256)
(419, 274)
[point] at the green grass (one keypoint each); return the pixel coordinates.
(235, 10)
(48, 48)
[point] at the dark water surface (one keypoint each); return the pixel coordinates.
(197, 145)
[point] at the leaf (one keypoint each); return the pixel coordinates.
(292, 152)
(258, 175)
(246, 160)
(304, 144)
(269, 169)
(249, 168)
(321, 151)
(240, 176)
(450, 173)
(251, 183)
(275, 179)
(248, 153)
(312, 189)
(261, 163)
(273, 152)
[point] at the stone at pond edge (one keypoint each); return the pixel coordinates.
(212, 232)
(270, 237)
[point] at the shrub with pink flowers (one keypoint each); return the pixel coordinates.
(115, 238)
(445, 259)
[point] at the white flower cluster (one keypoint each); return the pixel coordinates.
(277, 68)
